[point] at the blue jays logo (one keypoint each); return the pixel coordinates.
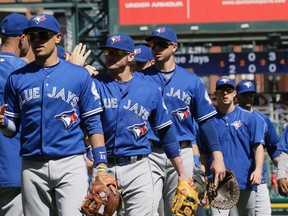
(137, 51)
(139, 130)
(68, 118)
(225, 80)
(182, 113)
(39, 18)
(160, 30)
(248, 84)
(115, 39)
(237, 124)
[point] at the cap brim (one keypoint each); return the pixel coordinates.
(220, 86)
(150, 38)
(244, 91)
(141, 59)
(36, 28)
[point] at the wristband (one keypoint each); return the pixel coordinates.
(99, 155)
(101, 169)
(196, 162)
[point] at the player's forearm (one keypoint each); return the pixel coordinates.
(282, 168)
(178, 165)
(98, 150)
(9, 128)
(169, 142)
(210, 135)
(259, 157)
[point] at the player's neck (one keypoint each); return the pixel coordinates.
(165, 66)
(120, 77)
(226, 108)
(10, 49)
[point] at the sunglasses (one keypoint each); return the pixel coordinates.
(114, 52)
(161, 44)
(41, 35)
(227, 90)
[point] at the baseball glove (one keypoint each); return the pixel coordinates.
(226, 194)
(189, 194)
(104, 198)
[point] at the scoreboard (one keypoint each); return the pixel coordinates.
(234, 63)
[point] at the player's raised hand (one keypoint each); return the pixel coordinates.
(2, 111)
(79, 55)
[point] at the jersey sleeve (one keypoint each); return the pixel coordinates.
(160, 117)
(202, 105)
(283, 142)
(256, 129)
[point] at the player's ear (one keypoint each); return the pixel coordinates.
(58, 38)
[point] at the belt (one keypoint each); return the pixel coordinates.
(183, 144)
(124, 160)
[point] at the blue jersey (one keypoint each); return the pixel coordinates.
(283, 143)
(271, 139)
(238, 132)
(50, 103)
(186, 99)
(10, 161)
(128, 116)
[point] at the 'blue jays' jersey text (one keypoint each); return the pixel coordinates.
(129, 116)
(50, 103)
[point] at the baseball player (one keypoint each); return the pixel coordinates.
(241, 138)
(282, 168)
(245, 96)
(14, 45)
(143, 58)
(48, 99)
(187, 101)
(133, 106)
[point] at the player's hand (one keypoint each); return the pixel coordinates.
(89, 164)
(218, 167)
(256, 177)
(2, 111)
(92, 70)
(79, 55)
(282, 187)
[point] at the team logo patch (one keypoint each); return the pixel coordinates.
(160, 30)
(248, 84)
(94, 91)
(39, 18)
(225, 80)
(68, 118)
(139, 130)
(237, 124)
(182, 113)
(115, 39)
(137, 51)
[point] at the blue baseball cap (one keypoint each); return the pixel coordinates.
(60, 52)
(143, 53)
(121, 42)
(245, 86)
(14, 24)
(43, 21)
(224, 81)
(165, 33)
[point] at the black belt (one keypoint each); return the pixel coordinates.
(183, 144)
(124, 160)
